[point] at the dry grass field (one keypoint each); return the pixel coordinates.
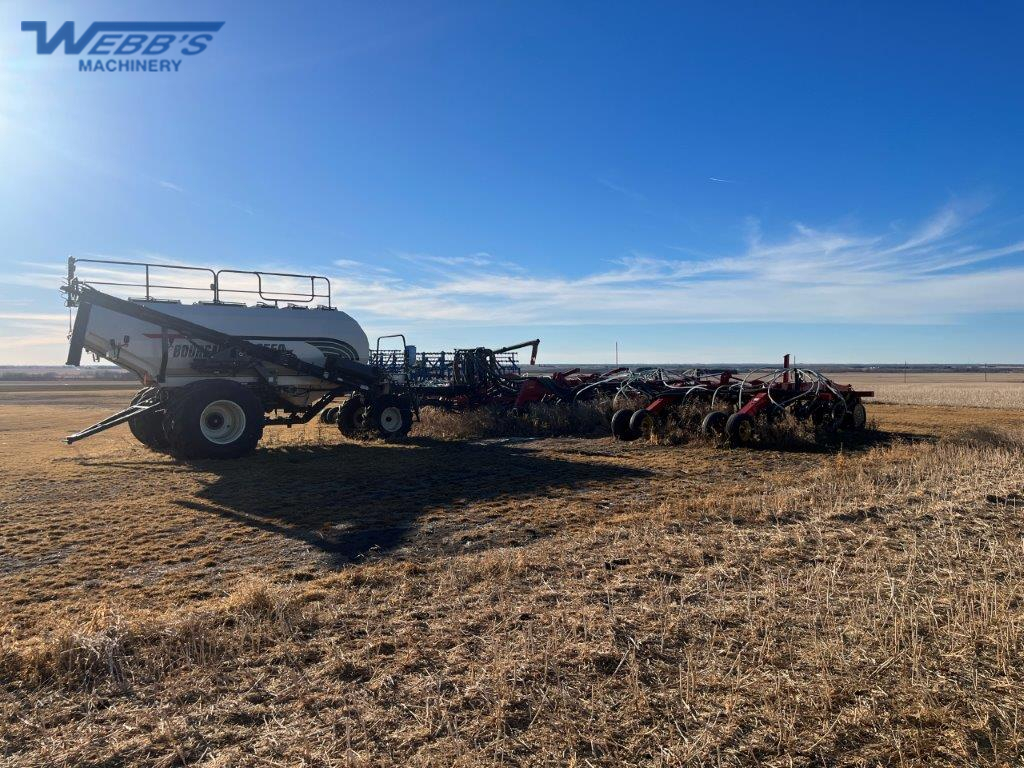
(1001, 390)
(558, 601)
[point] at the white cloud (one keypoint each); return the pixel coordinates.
(810, 275)
(171, 186)
(45, 344)
(933, 273)
(32, 336)
(33, 317)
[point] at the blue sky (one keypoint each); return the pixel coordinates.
(725, 182)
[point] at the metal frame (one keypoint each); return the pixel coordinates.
(151, 403)
(319, 285)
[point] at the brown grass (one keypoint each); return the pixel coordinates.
(586, 419)
(559, 602)
(973, 394)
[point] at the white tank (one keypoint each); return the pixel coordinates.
(311, 334)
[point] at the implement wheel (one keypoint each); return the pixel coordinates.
(714, 424)
(148, 428)
(641, 423)
(739, 429)
(329, 415)
(214, 419)
(620, 425)
(856, 416)
(351, 418)
(390, 416)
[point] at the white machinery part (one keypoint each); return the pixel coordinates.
(311, 334)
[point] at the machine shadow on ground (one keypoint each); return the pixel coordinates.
(844, 441)
(353, 500)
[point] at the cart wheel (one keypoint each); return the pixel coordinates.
(829, 417)
(351, 418)
(329, 415)
(856, 417)
(641, 423)
(391, 416)
(620, 425)
(714, 424)
(148, 428)
(214, 419)
(739, 429)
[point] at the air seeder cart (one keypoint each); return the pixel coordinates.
(217, 371)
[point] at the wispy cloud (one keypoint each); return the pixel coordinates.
(934, 274)
(243, 208)
(721, 181)
(443, 264)
(34, 335)
(630, 193)
(34, 317)
(942, 270)
(48, 345)
(362, 266)
(171, 186)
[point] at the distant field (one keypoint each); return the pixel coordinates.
(524, 602)
(66, 386)
(975, 395)
(963, 389)
(952, 377)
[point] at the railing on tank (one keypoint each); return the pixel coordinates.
(147, 277)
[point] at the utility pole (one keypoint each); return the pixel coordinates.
(616, 354)
(904, 371)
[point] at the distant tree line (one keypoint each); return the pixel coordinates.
(59, 374)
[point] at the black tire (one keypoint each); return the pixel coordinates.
(739, 429)
(714, 424)
(215, 419)
(829, 416)
(620, 425)
(351, 422)
(329, 415)
(390, 416)
(148, 428)
(856, 416)
(641, 423)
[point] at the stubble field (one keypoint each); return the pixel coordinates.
(560, 601)
(978, 390)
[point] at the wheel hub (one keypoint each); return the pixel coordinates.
(391, 419)
(746, 431)
(222, 422)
